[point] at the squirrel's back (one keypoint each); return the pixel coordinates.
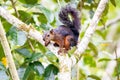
(73, 24)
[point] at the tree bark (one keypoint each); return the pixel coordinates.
(8, 54)
(90, 31)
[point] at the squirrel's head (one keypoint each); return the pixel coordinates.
(48, 36)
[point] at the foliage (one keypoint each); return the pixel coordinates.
(39, 63)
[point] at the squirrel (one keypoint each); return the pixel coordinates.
(66, 35)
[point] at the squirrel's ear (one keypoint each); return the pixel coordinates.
(51, 31)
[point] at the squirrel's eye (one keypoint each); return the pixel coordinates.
(48, 35)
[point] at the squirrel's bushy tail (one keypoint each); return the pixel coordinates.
(74, 24)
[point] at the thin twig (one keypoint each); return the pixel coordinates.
(111, 22)
(16, 12)
(33, 49)
(117, 65)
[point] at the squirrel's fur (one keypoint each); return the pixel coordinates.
(65, 35)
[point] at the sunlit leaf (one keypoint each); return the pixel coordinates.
(104, 59)
(70, 52)
(42, 18)
(5, 24)
(113, 2)
(105, 12)
(89, 60)
(100, 33)
(93, 48)
(31, 2)
(42, 48)
(25, 16)
(67, 0)
(117, 3)
(49, 15)
(1, 52)
(52, 58)
(94, 77)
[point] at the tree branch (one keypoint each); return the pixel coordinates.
(112, 64)
(111, 22)
(90, 31)
(13, 4)
(8, 53)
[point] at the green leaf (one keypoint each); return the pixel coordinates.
(37, 77)
(100, 33)
(2, 67)
(45, 27)
(52, 58)
(35, 56)
(113, 2)
(42, 48)
(12, 34)
(49, 15)
(93, 48)
(22, 1)
(104, 59)
(26, 17)
(21, 38)
(42, 18)
(105, 10)
(88, 60)
(25, 52)
(1, 52)
(91, 12)
(27, 72)
(50, 72)
(89, 1)
(118, 3)
(70, 52)
(67, 1)
(94, 77)
(31, 2)
(16, 37)
(38, 68)
(6, 24)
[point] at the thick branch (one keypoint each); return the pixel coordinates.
(8, 53)
(90, 31)
(20, 25)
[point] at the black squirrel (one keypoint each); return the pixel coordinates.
(66, 35)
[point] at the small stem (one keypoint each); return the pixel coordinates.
(16, 12)
(117, 66)
(59, 3)
(33, 49)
